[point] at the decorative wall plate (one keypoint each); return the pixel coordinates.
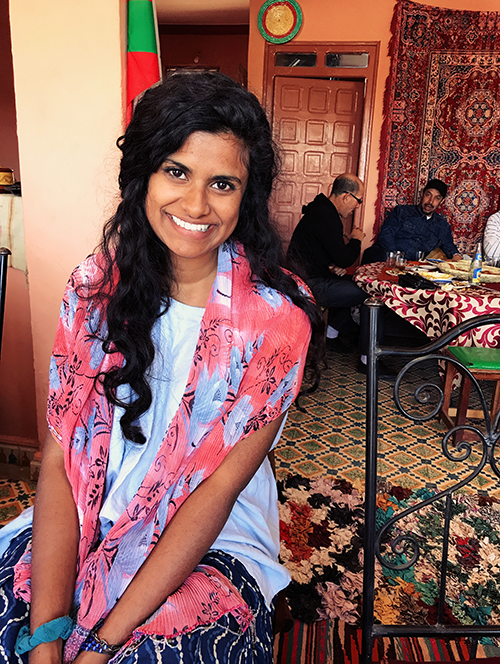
(279, 20)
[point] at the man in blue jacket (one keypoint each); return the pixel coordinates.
(412, 228)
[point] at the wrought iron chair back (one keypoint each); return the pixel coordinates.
(430, 395)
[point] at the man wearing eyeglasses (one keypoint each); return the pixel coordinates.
(323, 250)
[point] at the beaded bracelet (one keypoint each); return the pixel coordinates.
(96, 644)
(49, 631)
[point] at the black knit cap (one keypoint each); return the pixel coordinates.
(439, 185)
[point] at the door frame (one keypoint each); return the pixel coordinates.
(367, 74)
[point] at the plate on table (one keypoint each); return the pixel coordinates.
(455, 285)
(437, 277)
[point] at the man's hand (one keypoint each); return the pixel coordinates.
(357, 234)
(456, 257)
(339, 271)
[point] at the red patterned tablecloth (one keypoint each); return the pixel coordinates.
(435, 312)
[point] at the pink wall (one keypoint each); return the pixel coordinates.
(68, 70)
(357, 20)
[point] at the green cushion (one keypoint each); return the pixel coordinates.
(477, 358)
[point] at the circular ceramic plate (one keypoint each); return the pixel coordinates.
(435, 276)
(279, 20)
(455, 285)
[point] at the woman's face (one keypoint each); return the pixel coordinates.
(193, 200)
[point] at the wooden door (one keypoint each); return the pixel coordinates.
(317, 123)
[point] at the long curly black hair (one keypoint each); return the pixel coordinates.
(164, 118)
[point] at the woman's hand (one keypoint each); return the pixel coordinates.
(54, 552)
(47, 653)
(52, 653)
(90, 657)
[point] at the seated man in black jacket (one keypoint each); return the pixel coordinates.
(318, 246)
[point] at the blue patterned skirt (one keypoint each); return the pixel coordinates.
(221, 642)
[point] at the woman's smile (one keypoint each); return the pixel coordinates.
(193, 200)
(190, 227)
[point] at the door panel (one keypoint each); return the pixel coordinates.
(318, 125)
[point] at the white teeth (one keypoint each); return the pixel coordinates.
(190, 227)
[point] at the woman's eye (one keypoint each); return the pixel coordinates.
(223, 185)
(176, 173)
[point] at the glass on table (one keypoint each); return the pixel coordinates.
(420, 255)
(390, 258)
(400, 259)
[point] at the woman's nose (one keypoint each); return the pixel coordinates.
(195, 202)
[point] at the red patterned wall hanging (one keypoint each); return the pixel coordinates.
(442, 115)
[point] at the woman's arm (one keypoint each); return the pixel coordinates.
(55, 546)
(186, 539)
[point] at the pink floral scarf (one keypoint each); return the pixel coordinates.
(246, 371)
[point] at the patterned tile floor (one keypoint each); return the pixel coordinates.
(329, 439)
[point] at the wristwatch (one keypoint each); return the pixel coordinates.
(94, 643)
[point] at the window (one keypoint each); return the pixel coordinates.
(347, 60)
(295, 60)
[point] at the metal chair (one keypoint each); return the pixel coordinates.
(429, 397)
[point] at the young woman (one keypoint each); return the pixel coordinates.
(181, 344)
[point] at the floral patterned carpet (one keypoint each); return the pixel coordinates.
(321, 524)
(322, 538)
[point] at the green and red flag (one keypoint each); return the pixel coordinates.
(143, 53)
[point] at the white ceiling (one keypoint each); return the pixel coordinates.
(212, 12)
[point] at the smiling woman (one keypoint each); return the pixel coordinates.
(193, 205)
(181, 344)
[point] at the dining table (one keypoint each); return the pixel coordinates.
(434, 312)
